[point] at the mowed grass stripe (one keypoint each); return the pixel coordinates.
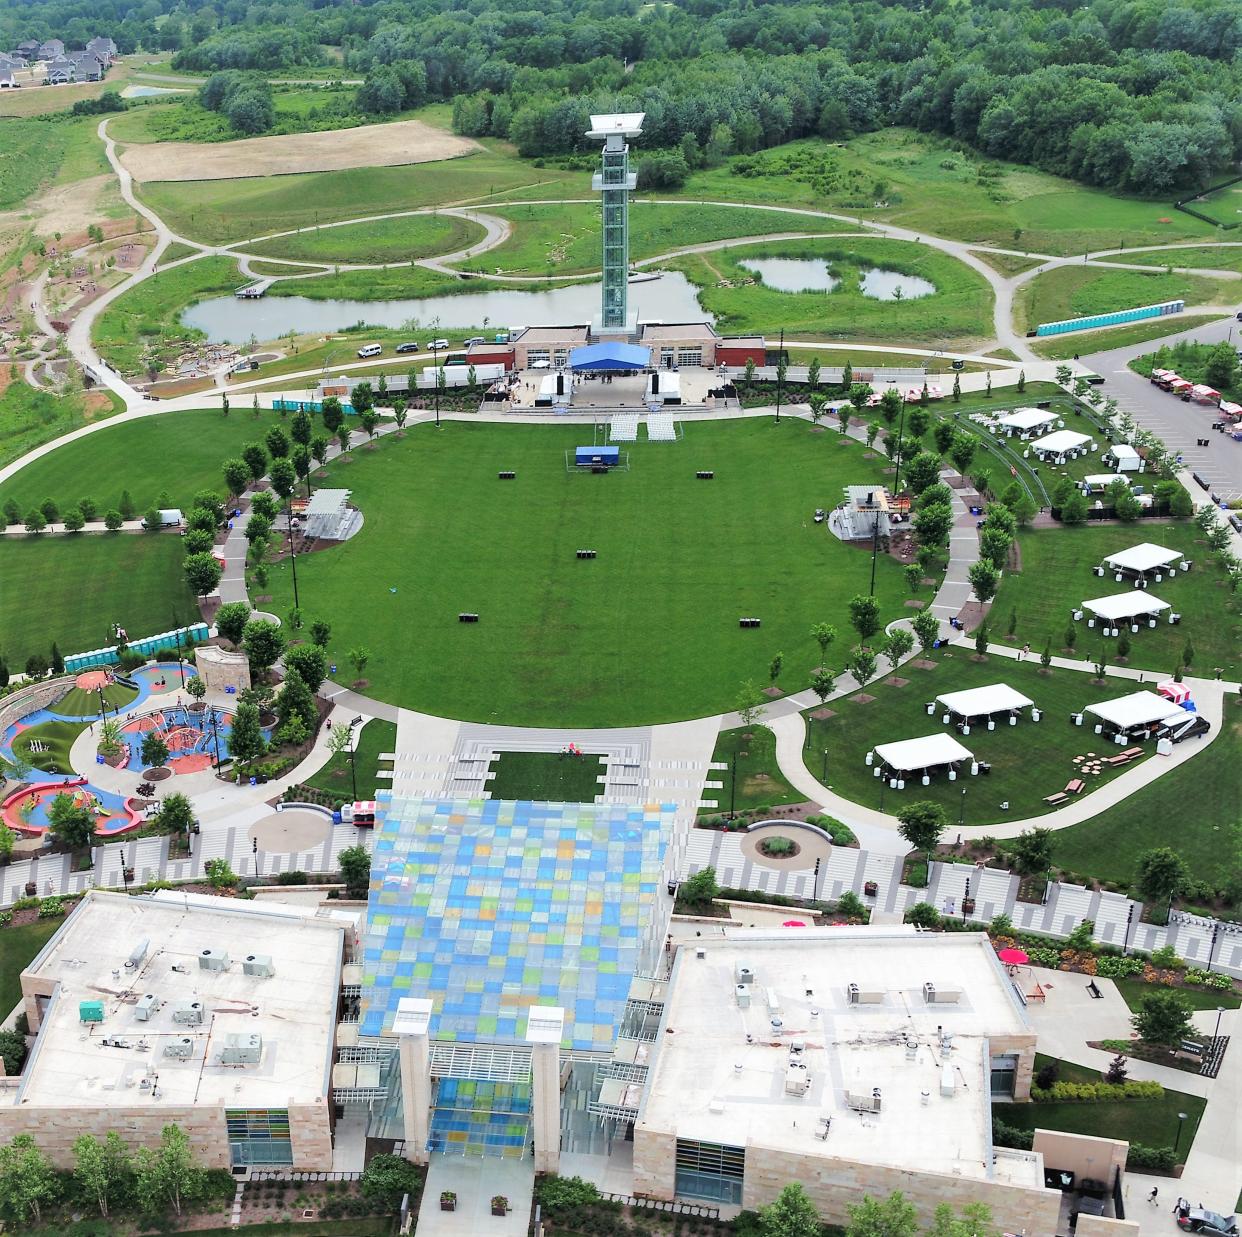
(645, 632)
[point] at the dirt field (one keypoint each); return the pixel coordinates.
(404, 141)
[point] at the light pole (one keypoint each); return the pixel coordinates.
(1177, 1142)
(1220, 1009)
(177, 634)
(732, 785)
(293, 554)
(901, 433)
(353, 773)
(1125, 947)
(1212, 945)
(961, 815)
(780, 372)
(823, 781)
(213, 720)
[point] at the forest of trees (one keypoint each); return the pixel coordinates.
(1139, 95)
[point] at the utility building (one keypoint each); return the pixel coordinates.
(613, 182)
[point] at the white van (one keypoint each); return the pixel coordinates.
(371, 350)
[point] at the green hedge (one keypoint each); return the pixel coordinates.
(1096, 1092)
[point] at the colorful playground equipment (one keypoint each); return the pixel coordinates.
(194, 738)
(26, 810)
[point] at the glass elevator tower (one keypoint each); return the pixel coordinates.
(613, 182)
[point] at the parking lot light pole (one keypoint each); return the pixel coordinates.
(353, 772)
(1177, 1141)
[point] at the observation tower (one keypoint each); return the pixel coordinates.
(614, 181)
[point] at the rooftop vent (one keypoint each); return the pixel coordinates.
(744, 973)
(860, 1101)
(857, 995)
(139, 953)
(213, 960)
(182, 1049)
(242, 1050)
(700, 952)
(147, 1005)
(260, 965)
(742, 992)
(188, 1012)
(797, 1078)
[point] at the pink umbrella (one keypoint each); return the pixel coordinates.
(793, 923)
(1013, 957)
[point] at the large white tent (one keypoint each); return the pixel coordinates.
(1102, 480)
(1123, 606)
(1142, 558)
(1023, 420)
(928, 752)
(984, 701)
(1135, 710)
(1125, 458)
(1060, 441)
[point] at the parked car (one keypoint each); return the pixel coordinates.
(368, 350)
(410, 347)
(474, 339)
(438, 344)
(1200, 1220)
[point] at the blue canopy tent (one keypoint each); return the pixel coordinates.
(609, 356)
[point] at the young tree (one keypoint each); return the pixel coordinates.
(283, 477)
(126, 506)
(921, 824)
(332, 414)
(255, 458)
(843, 416)
(71, 822)
(1071, 635)
(202, 573)
(862, 665)
(400, 411)
(176, 815)
(983, 580)
(58, 662)
(296, 700)
(994, 546)
(265, 504)
(1163, 1017)
(1032, 851)
(859, 394)
(957, 388)
(301, 428)
(320, 633)
(101, 1167)
(750, 704)
(890, 406)
(975, 1221)
(74, 521)
(169, 1175)
(873, 432)
(922, 470)
(790, 1214)
(775, 666)
(359, 656)
(864, 616)
(1024, 509)
(300, 458)
(699, 889)
(245, 739)
(319, 448)
(343, 436)
(154, 749)
(263, 643)
(311, 664)
(888, 1217)
(823, 683)
(1161, 874)
(926, 629)
(231, 620)
(823, 634)
(913, 574)
(355, 868)
(1045, 658)
(812, 373)
(933, 524)
(368, 420)
(36, 522)
(27, 1179)
(277, 442)
(981, 640)
(1188, 654)
(900, 643)
(51, 512)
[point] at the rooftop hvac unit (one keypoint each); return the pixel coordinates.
(147, 1005)
(935, 995)
(90, 1011)
(242, 1050)
(744, 973)
(181, 1049)
(189, 1012)
(864, 996)
(774, 1001)
(861, 1101)
(700, 953)
(213, 960)
(259, 964)
(797, 1078)
(139, 953)
(742, 992)
(948, 1083)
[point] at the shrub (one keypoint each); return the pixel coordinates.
(51, 908)
(292, 878)
(1161, 1159)
(852, 905)
(841, 834)
(565, 1194)
(386, 1179)
(1209, 979)
(1047, 1075)
(1011, 1136)
(923, 915)
(1118, 968)
(1096, 1092)
(1165, 957)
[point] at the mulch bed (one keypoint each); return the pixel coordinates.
(158, 774)
(861, 698)
(822, 715)
(894, 681)
(915, 604)
(773, 692)
(922, 663)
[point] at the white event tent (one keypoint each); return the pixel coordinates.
(1059, 442)
(1137, 711)
(1125, 458)
(1025, 420)
(1102, 480)
(930, 752)
(1141, 559)
(1126, 608)
(985, 701)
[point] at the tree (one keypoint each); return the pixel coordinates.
(923, 470)
(699, 889)
(926, 629)
(858, 395)
(399, 411)
(300, 458)
(263, 643)
(387, 1178)
(355, 868)
(258, 528)
(981, 640)
(790, 1214)
(900, 642)
(176, 814)
(864, 616)
(914, 576)
(957, 388)
(1160, 874)
(1024, 509)
(1163, 1017)
(812, 373)
(319, 446)
(320, 633)
(12, 1052)
(332, 414)
(169, 1174)
(36, 521)
(101, 1167)
(890, 406)
(774, 668)
(126, 506)
(368, 420)
(1188, 654)
(888, 1217)
(862, 665)
(750, 705)
(843, 416)
(1063, 375)
(154, 749)
(310, 662)
(343, 436)
(823, 683)
(873, 432)
(231, 620)
(296, 700)
(58, 662)
(1045, 658)
(236, 476)
(72, 822)
(922, 824)
(983, 580)
(359, 656)
(823, 634)
(1032, 851)
(300, 428)
(255, 458)
(277, 443)
(1221, 369)
(245, 738)
(202, 573)
(27, 1179)
(74, 521)
(265, 504)
(975, 1221)
(933, 524)
(283, 477)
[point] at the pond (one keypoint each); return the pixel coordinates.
(145, 92)
(793, 274)
(225, 319)
(886, 285)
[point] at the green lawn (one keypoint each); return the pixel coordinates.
(1214, 257)
(18, 947)
(150, 312)
(1029, 760)
(546, 777)
(1062, 347)
(759, 780)
(565, 239)
(375, 737)
(1058, 574)
(71, 589)
(86, 704)
(176, 454)
(57, 737)
(1079, 291)
(1150, 1122)
(30, 418)
(646, 632)
(1206, 837)
(233, 210)
(1134, 990)
(385, 240)
(958, 312)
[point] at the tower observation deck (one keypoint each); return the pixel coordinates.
(613, 182)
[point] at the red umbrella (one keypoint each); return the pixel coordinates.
(1013, 957)
(793, 923)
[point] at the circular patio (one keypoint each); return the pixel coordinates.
(812, 844)
(291, 831)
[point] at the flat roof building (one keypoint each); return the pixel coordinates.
(154, 1011)
(853, 1060)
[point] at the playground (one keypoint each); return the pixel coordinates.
(27, 810)
(195, 739)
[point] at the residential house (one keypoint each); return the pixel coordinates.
(7, 80)
(50, 49)
(28, 50)
(60, 71)
(104, 48)
(87, 67)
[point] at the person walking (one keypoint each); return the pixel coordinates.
(1151, 1198)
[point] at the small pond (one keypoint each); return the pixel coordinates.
(885, 285)
(793, 274)
(146, 92)
(225, 319)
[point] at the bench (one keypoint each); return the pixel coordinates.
(1075, 787)
(1132, 753)
(1059, 797)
